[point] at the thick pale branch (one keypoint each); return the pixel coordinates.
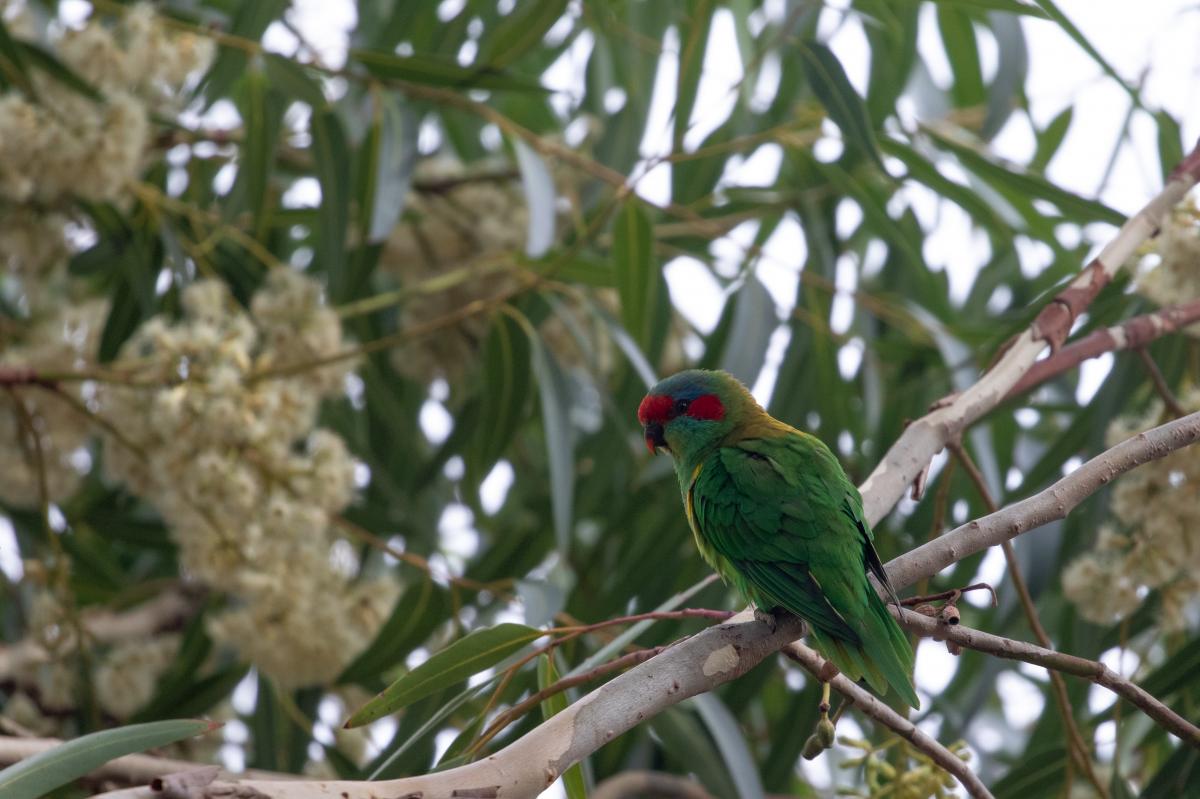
(923, 439)
(1046, 506)
(1059, 662)
(869, 704)
(525, 767)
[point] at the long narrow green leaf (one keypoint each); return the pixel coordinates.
(640, 284)
(436, 71)
(507, 376)
(250, 21)
(12, 62)
(555, 394)
(390, 161)
(540, 199)
(1026, 184)
(691, 64)
(832, 87)
(520, 32)
(49, 63)
(1008, 6)
(547, 675)
(332, 167)
(261, 116)
(732, 745)
(962, 51)
(469, 655)
(293, 80)
(39, 775)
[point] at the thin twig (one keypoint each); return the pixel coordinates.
(1079, 750)
(533, 700)
(1160, 383)
(1056, 662)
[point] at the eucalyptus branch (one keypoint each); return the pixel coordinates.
(1056, 662)
(874, 707)
(921, 440)
(1046, 506)
(528, 765)
(1131, 334)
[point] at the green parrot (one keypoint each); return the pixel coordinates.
(774, 514)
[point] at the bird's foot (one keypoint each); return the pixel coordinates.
(767, 617)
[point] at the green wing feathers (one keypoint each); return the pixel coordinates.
(777, 517)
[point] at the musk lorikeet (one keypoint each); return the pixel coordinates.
(774, 514)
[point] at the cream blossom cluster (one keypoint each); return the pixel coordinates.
(1150, 543)
(63, 144)
(1176, 277)
(124, 675)
(58, 145)
(126, 678)
(44, 433)
(918, 777)
(242, 476)
(471, 222)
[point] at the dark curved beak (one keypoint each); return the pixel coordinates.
(654, 437)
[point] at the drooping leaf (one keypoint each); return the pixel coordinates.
(467, 656)
(250, 21)
(555, 393)
(293, 80)
(37, 776)
(540, 198)
(732, 745)
(519, 33)
(507, 376)
(331, 163)
(547, 674)
(13, 68)
(434, 71)
(44, 60)
(645, 304)
(691, 63)
(846, 108)
(391, 156)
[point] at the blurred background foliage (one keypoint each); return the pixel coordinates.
(454, 231)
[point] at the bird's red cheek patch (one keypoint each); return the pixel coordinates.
(654, 408)
(706, 406)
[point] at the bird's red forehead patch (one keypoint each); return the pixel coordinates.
(706, 406)
(655, 408)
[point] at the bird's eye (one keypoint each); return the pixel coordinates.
(681, 405)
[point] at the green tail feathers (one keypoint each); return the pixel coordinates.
(883, 659)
